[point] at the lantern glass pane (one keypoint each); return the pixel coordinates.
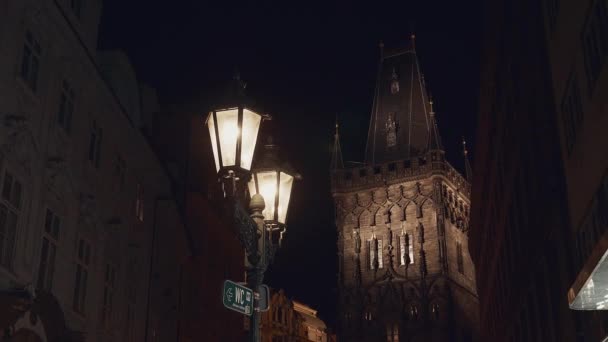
(228, 128)
(285, 184)
(267, 184)
(251, 186)
(251, 126)
(211, 126)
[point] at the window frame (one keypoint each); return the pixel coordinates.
(31, 56)
(65, 112)
(82, 266)
(15, 209)
(51, 235)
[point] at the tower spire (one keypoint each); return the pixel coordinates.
(467, 164)
(336, 156)
(434, 137)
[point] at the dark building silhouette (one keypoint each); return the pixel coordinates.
(402, 217)
(536, 230)
(214, 252)
(91, 237)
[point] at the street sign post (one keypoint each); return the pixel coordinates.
(238, 298)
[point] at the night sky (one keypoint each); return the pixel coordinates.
(305, 63)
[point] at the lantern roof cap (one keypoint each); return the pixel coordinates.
(270, 160)
(233, 95)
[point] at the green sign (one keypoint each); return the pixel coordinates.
(238, 297)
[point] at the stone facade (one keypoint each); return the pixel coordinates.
(86, 201)
(422, 286)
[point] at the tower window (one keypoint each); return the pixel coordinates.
(414, 312)
(435, 311)
(459, 259)
(406, 249)
(392, 333)
(375, 253)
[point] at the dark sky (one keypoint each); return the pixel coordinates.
(305, 63)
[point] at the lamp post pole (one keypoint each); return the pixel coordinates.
(257, 262)
(233, 133)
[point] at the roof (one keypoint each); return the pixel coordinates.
(309, 315)
(399, 124)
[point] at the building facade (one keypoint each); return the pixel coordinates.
(291, 321)
(86, 201)
(536, 219)
(404, 269)
(215, 253)
(580, 83)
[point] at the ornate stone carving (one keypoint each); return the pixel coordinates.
(394, 82)
(391, 130)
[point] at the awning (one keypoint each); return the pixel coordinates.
(590, 289)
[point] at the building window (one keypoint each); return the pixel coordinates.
(406, 248)
(139, 203)
(50, 240)
(120, 172)
(30, 61)
(375, 253)
(435, 311)
(392, 333)
(108, 295)
(414, 312)
(95, 144)
(66, 107)
(459, 258)
(83, 258)
(572, 113)
(76, 6)
(10, 208)
(595, 43)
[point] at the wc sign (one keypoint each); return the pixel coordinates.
(238, 297)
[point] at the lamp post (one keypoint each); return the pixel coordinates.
(234, 133)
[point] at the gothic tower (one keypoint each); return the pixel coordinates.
(404, 269)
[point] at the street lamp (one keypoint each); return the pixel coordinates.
(233, 131)
(274, 181)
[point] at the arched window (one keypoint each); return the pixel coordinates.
(406, 249)
(392, 332)
(414, 312)
(435, 311)
(374, 252)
